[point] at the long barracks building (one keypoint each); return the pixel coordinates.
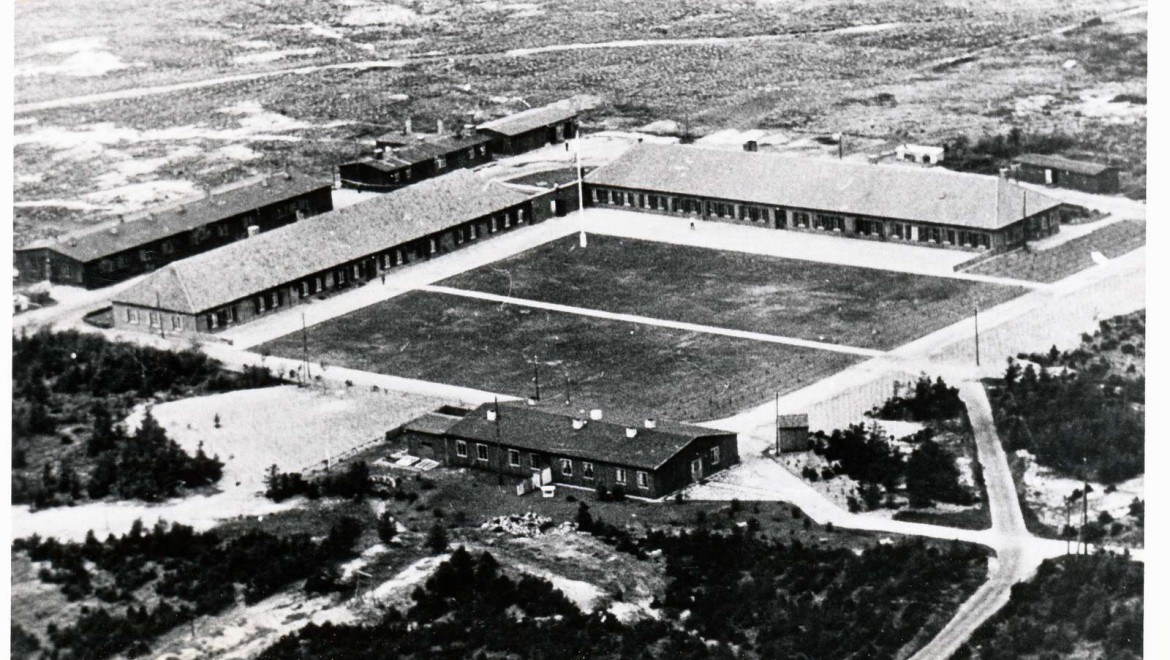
(349, 246)
(647, 458)
(114, 252)
(876, 202)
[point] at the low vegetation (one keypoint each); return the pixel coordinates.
(1069, 257)
(1087, 420)
(150, 581)
(926, 473)
(1077, 606)
(728, 595)
(69, 388)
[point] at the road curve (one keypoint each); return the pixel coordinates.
(1014, 563)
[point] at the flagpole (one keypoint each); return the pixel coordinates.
(580, 189)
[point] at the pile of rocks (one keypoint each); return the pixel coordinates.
(528, 525)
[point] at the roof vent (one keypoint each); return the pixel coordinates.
(631, 432)
(650, 423)
(578, 423)
(595, 413)
(491, 415)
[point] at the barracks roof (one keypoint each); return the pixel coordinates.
(887, 191)
(247, 267)
(604, 440)
(531, 119)
(109, 239)
(1062, 163)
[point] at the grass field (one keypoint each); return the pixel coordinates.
(839, 304)
(615, 365)
(1067, 258)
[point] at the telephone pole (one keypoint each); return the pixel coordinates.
(776, 423)
(499, 445)
(976, 336)
(536, 375)
(305, 347)
(584, 242)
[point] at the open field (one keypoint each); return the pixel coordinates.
(441, 60)
(299, 427)
(1067, 258)
(639, 369)
(809, 300)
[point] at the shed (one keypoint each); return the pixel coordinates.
(792, 432)
(1067, 173)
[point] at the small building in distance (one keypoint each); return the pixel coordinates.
(919, 153)
(920, 206)
(113, 252)
(532, 128)
(1067, 173)
(792, 433)
(347, 247)
(646, 457)
(398, 165)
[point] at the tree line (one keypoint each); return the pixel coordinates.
(728, 595)
(1073, 423)
(190, 574)
(69, 388)
(1090, 606)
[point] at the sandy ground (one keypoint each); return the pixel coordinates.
(246, 630)
(1045, 493)
(299, 428)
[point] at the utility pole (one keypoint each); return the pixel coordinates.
(536, 375)
(1085, 502)
(499, 445)
(840, 146)
(568, 388)
(162, 329)
(977, 336)
(305, 347)
(584, 242)
(776, 423)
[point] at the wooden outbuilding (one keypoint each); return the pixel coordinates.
(1067, 173)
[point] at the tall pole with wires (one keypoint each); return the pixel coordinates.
(305, 347)
(977, 336)
(584, 242)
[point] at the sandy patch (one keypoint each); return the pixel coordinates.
(396, 590)
(274, 55)
(130, 197)
(85, 58)
(366, 14)
(256, 44)
(287, 426)
(200, 511)
(1046, 493)
(246, 630)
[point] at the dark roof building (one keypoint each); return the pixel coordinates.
(397, 167)
(532, 128)
(353, 244)
(928, 206)
(113, 252)
(646, 457)
(1067, 173)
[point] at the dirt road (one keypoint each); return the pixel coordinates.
(1011, 538)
